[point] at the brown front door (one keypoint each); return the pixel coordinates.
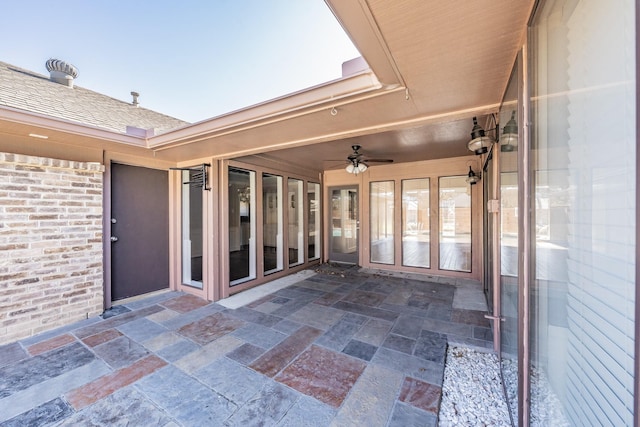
(139, 230)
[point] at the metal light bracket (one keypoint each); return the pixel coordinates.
(199, 177)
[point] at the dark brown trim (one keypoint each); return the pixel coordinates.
(106, 231)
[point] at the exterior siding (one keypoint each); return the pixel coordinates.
(51, 256)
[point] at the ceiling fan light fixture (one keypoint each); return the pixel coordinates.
(357, 162)
(356, 168)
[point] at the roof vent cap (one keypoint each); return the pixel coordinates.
(61, 72)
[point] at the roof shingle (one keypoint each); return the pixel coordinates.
(25, 90)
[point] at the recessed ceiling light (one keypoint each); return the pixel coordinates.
(35, 135)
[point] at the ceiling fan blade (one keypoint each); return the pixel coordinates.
(378, 160)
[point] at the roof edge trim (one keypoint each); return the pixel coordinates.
(328, 95)
(60, 125)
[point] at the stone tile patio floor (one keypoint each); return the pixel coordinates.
(340, 347)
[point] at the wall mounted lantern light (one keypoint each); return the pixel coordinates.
(480, 142)
(509, 139)
(472, 177)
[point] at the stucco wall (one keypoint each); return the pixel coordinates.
(51, 256)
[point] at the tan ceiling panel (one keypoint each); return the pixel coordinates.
(455, 54)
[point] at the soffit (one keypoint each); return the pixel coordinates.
(454, 58)
(64, 139)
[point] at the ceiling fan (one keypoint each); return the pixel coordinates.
(358, 162)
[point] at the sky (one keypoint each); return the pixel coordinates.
(190, 59)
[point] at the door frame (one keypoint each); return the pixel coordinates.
(128, 160)
(347, 259)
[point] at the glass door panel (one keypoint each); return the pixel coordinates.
(344, 225)
(242, 225)
(489, 243)
(415, 223)
(381, 209)
(313, 195)
(583, 161)
(191, 230)
(455, 224)
(509, 276)
(296, 222)
(508, 195)
(272, 223)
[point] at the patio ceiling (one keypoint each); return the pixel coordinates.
(433, 66)
(437, 64)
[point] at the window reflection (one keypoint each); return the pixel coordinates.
(382, 210)
(272, 223)
(242, 245)
(415, 223)
(314, 220)
(455, 224)
(296, 222)
(191, 231)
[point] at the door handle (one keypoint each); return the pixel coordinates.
(114, 239)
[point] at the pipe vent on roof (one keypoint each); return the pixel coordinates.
(61, 72)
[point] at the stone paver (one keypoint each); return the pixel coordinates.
(11, 353)
(126, 407)
(30, 372)
(371, 399)
(326, 375)
(268, 406)
(340, 347)
(105, 385)
(50, 344)
(187, 400)
(46, 413)
(46, 391)
(235, 382)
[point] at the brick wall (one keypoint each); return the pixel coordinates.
(50, 244)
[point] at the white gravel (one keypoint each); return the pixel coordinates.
(546, 408)
(472, 392)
